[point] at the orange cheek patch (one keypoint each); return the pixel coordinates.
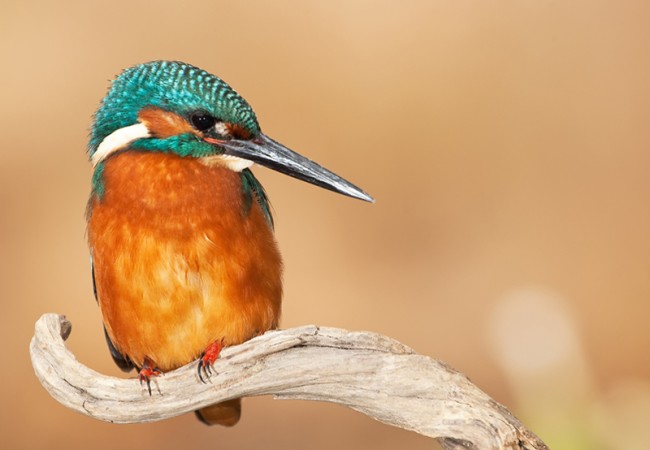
(237, 131)
(164, 124)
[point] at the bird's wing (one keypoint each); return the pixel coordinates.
(253, 188)
(122, 361)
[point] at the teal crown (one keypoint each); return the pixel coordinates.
(173, 86)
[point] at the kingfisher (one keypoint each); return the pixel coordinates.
(183, 255)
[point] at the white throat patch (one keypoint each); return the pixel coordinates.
(234, 163)
(119, 139)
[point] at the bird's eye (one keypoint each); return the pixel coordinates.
(202, 121)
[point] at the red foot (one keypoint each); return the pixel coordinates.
(147, 372)
(207, 359)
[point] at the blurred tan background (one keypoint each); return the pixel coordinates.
(506, 145)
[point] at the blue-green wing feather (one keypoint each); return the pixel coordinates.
(253, 188)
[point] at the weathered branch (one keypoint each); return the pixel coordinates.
(367, 372)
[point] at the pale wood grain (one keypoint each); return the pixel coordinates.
(364, 371)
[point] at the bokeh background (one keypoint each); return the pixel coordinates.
(507, 147)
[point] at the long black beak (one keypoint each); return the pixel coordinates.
(269, 153)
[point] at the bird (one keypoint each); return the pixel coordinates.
(183, 256)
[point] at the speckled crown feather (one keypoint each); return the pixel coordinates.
(170, 85)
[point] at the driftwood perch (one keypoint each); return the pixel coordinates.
(367, 372)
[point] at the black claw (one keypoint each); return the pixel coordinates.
(143, 377)
(199, 368)
(204, 370)
(148, 380)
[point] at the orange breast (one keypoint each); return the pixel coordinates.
(179, 260)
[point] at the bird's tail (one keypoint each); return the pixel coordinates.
(225, 413)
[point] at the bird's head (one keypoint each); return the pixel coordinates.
(174, 107)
